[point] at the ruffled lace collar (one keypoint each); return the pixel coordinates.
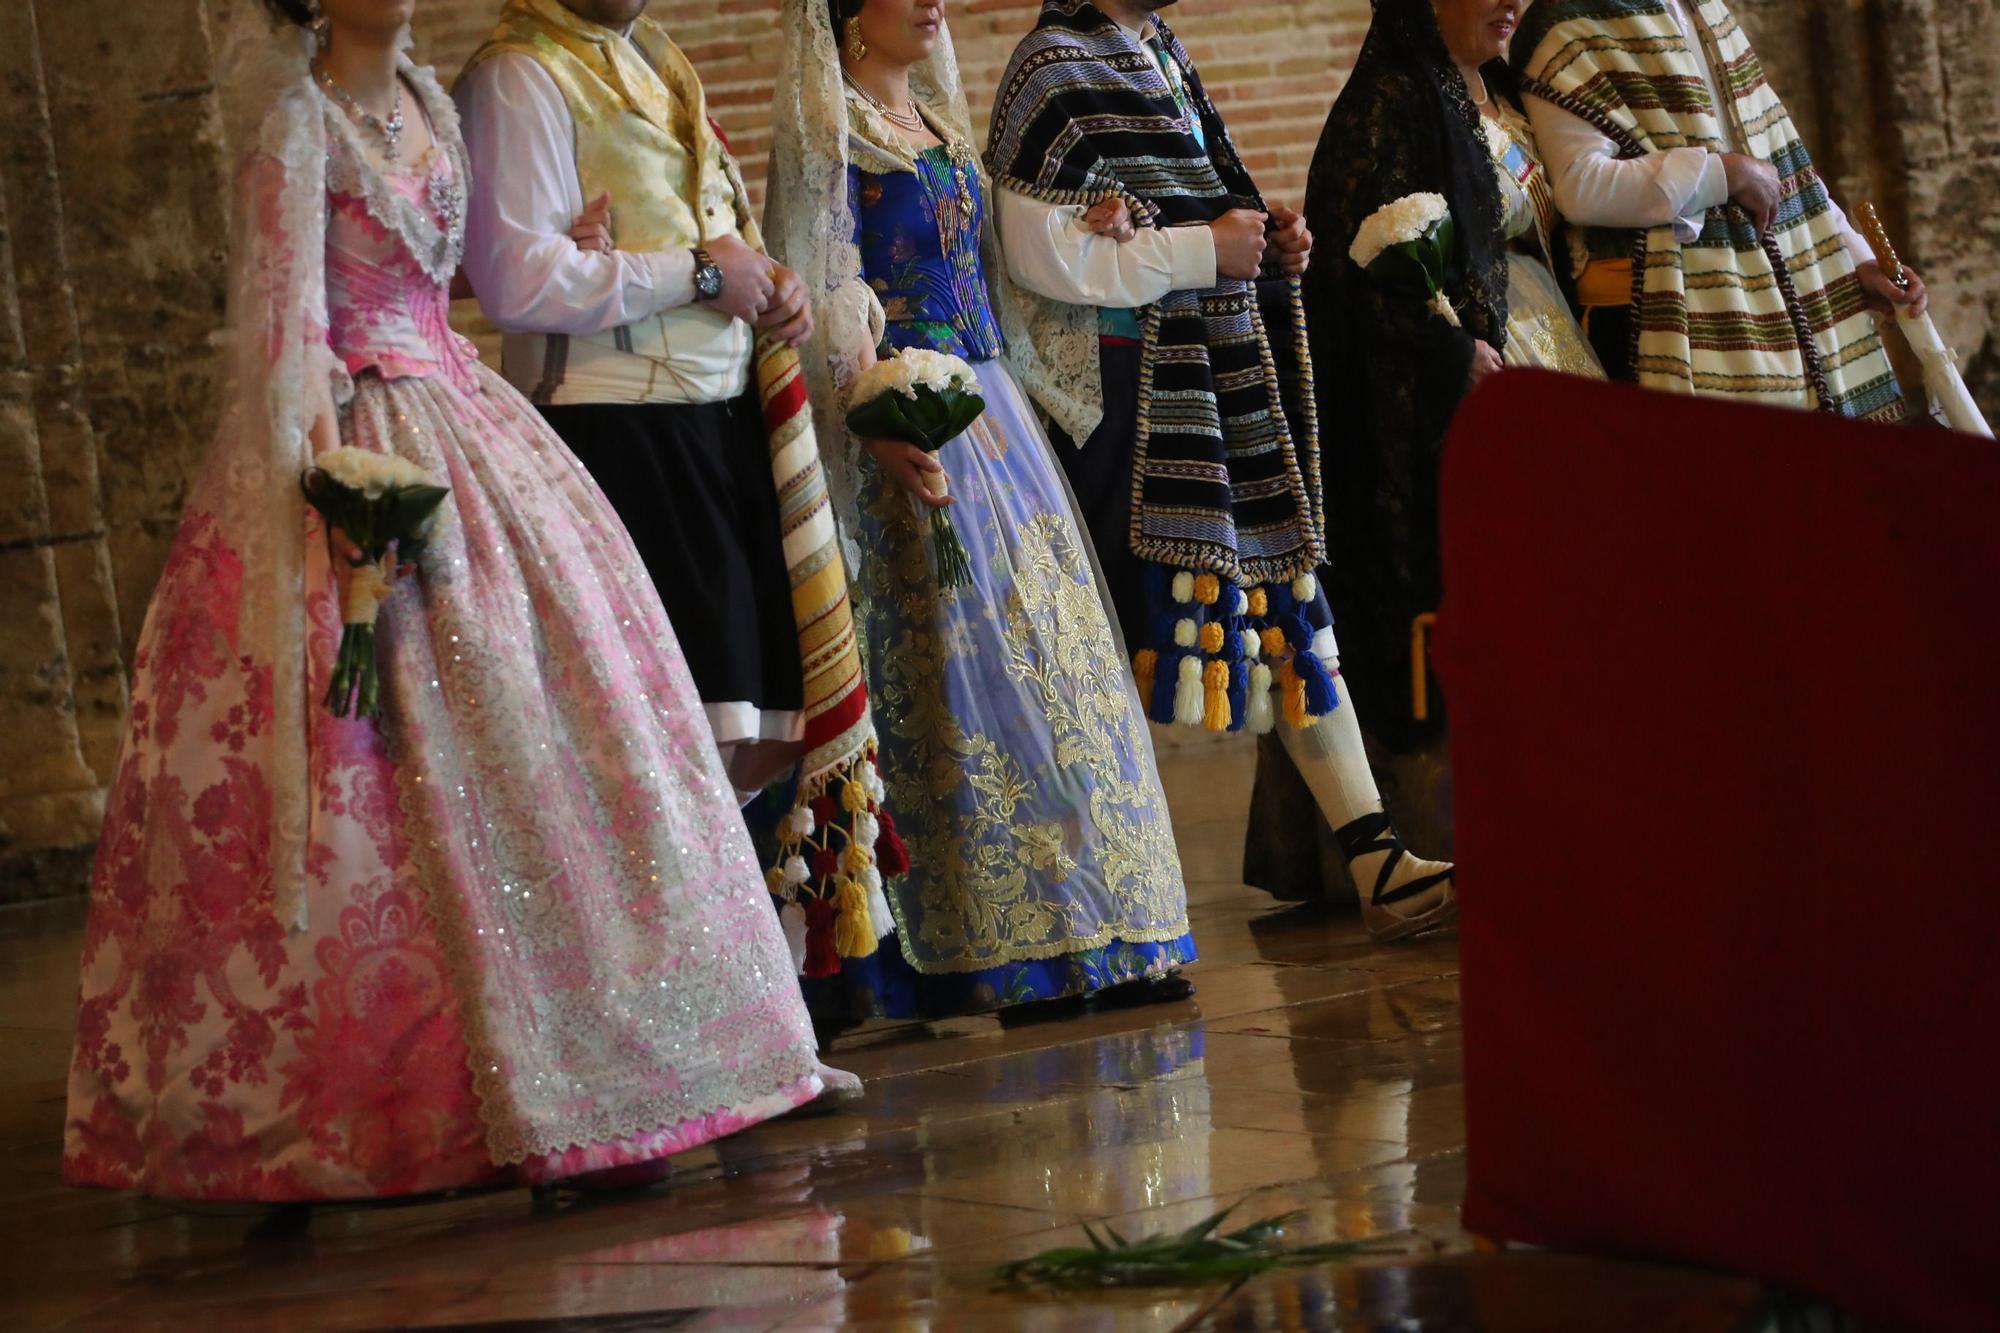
(431, 228)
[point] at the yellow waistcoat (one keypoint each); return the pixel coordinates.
(643, 136)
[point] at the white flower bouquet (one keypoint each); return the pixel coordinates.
(1408, 244)
(927, 399)
(381, 502)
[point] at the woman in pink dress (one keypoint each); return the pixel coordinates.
(514, 933)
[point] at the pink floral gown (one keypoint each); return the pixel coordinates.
(534, 939)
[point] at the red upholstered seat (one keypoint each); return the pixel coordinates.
(1725, 701)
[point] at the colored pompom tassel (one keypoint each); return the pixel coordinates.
(822, 810)
(1239, 695)
(1263, 717)
(890, 853)
(822, 956)
(1186, 633)
(853, 798)
(1318, 682)
(1238, 603)
(1183, 589)
(1260, 602)
(792, 920)
(853, 933)
(1274, 642)
(879, 912)
(1294, 691)
(856, 859)
(774, 880)
(1144, 663)
(1253, 645)
(1187, 693)
(1215, 694)
(1207, 588)
(1305, 587)
(825, 863)
(1211, 637)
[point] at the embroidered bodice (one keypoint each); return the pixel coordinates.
(392, 245)
(919, 233)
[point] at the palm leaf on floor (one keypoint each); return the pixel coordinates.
(1201, 1255)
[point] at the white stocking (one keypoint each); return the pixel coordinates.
(1331, 758)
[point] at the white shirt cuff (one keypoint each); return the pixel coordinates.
(1193, 258)
(673, 278)
(1693, 180)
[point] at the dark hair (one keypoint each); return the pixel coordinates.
(292, 11)
(843, 10)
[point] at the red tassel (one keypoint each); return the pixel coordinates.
(824, 810)
(822, 958)
(825, 863)
(891, 856)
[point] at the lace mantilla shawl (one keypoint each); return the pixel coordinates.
(279, 373)
(821, 127)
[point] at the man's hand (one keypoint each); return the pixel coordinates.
(907, 466)
(1753, 183)
(1112, 218)
(746, 279)
(592, 229)
(1290, 239)
(789, 316)
(1885, 297)
(1484, 362)
(1239, 243)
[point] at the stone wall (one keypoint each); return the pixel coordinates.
(112, 221)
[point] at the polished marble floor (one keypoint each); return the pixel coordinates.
(1312, 1073)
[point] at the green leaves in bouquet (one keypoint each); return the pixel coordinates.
(408, 513)
(930, 420)
(1418, 266)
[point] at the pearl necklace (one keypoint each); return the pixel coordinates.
(910, 121)
(389, 131)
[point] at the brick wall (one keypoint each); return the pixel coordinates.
(1274, 66)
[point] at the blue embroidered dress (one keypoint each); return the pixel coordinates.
(1013, 744)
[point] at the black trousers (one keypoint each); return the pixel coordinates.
(692, 484)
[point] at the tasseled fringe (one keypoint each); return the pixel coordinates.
(1294, 691)
(891, 856)
(1215, 691)
(1144, 663)
(1318, 684)
(1187, 694)
(835, 846)
(1262, 716)
(1219, 651)
(822, 952)
(853, 933)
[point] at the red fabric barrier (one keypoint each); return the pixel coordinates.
(1726, 740)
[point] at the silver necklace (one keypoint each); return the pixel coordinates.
(390, 131)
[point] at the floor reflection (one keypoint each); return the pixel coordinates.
(1314, 1074)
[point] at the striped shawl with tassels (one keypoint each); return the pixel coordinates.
(1779, 319)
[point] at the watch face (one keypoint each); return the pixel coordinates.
(708, 281)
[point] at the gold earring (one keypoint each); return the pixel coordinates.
(857, 50)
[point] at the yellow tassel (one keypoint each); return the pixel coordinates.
(852, 798)
(853, 933)
(1215, 683)
(1260, 602)
(1211, 637)
(1207, 588)
(1294, 690)
(856, 859)
(1274, 643)
(774, 880)
(1144, 663)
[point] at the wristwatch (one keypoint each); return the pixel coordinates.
(707, 277)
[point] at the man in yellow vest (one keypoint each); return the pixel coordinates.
(609, 237)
